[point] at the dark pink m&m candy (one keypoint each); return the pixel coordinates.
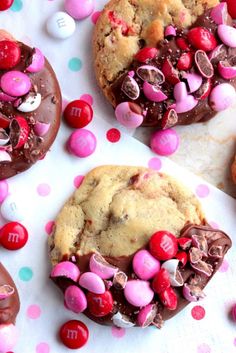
(78, 114)
(74, 334)
(13, 236)
(5, 4)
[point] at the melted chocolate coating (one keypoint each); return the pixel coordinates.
(124, 263)
(10, 306)
(49, 111)
(169, 49)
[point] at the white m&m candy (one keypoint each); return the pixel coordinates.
(12, 208)
(61, 25)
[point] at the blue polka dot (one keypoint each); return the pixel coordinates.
(75, 64)
(17, 5)
(25, 274)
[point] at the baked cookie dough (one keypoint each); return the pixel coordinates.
(30, 106)
(107, 228)
(165, 61)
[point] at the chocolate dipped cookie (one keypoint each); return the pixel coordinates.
(9, 308)
(30, 106)
(132, 247)
(166, 63)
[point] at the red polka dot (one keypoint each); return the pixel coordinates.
(95, 16)
(113, 135)
(198, 312)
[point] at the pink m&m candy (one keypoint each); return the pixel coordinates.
(79, 9)
(138, 293)
(129, 114)
(165, 142)
(38, 61)
(75, 299)
(15, 83)
(8, 337)
(66, 269)
(92, 282)
(82, 143)
(145, 265)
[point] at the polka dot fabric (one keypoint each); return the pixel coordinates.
(50, 182)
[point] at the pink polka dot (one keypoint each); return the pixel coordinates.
(49, 227)
(95, 16)
(155, 163)
(214, 225)
(203, 348)
(78, 180)
(202, 190)
(43, 189)
(235, 341)
(224, 267)
(113, 135)
(33, 312)
(118, 332)
(87, 98)
(64, 104)
(42, 348)
(198, 312)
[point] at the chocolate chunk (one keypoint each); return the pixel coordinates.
(130, 87)
(203, 64)
(120, 280)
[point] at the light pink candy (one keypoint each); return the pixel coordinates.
(186, 104)
(100, 268)
(145, 265)
(4, 156)
(79, 9)
(165, 142)
(153, 93)
(38, 61)
(15, 83)
(41, 129)
(3, 190)
(170, 31)
(92, 283)
(228, 35)
(66, 269)
(180, 91)
(138, 293)
(82, 143)
(194, 81)
(222, 97)
(75, 299)
(8, 337)
(127, 117)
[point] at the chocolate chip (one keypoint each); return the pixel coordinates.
(120, 280)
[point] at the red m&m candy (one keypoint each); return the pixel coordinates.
(74, 334)
(78, 114)
(5, 4)
(9, 54)
(163, 245)
(100, 305)
(13, 236)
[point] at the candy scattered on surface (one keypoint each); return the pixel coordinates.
(15, 83)
(161, 281)
(222, 97)
(129, 114)
(146, 54)
(145, 265)
(231, 8)
(9, 54)
(31, 103)
(101, 267)
(5, 4)
(78, 114)
(74, 334)
(165, 142)
(92, 282)
(66, 269)
(202, 39)
(12, 208)
(19, 131)
(61, 25)
(228, 35)
(82, 143)
(79, 9)
(38, 61)
(138, 293)
(13, 236)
